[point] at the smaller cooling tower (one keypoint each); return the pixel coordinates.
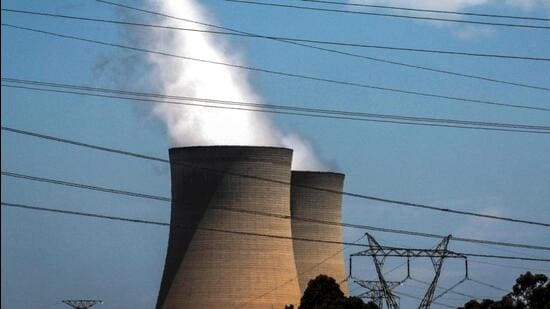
(314, 258)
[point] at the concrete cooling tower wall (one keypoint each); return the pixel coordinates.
(209, 269)
(314, 258)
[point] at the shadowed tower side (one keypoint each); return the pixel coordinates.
(314, 258)
(212, 269)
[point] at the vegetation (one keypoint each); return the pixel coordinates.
(531, 291)
(324, 293)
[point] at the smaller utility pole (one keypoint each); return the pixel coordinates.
(82, 303)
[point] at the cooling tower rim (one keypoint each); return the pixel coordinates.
(226, 147)
(306, 172)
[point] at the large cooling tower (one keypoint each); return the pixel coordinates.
(314, 258)
(212, 269)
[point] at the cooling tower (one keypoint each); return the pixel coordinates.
(314, 258)
(213, 269)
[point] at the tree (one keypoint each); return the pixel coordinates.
(531, 291)
(357, 303)
(324, 292)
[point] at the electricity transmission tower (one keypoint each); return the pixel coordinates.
(82, 303)
(382, 289)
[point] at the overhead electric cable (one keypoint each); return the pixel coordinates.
(444, 288)
(429, 124)
(84, 186)
(167, 199)
(510, 266)
(349, 225)
(419, 298)
(490, 286)
(347, 3)
(386, 230)
(273, 108)
(274, 72)
(350, 194)
(311, 8)
(85, 214)
(53, 210)
(279, 38)
(301, 43)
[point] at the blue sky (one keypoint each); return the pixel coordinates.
(49, 257)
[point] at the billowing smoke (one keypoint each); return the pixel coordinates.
(201, 125)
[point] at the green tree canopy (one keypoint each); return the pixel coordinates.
(531, 291)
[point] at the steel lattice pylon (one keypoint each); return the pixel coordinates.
(437, 262)
(82, 303)
(382, 289)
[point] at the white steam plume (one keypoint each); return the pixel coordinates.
(209, 126)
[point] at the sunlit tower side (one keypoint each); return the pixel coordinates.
(309, 207)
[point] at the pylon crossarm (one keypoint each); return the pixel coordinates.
(375, 285)
(415, 253)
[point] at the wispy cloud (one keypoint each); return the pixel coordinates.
(458, 5)
(429, 4)
(465, 32)
(473, 32)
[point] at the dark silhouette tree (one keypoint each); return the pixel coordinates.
(357, 303)
(324, 292)
(531, 291)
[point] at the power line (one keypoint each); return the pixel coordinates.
(92, 215)
(386, 230)
(418, 298)
(84, 186)
(279, 38)
(509, 266)
(444, 288)
(429, 10)
(299, 43)
(350, 194)
(490, 285)
(348, 225)
(310, 8)
(279, 112)
(166, 199)
(85, 214)
(274, 72)
(287, 109)
(280, 216)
